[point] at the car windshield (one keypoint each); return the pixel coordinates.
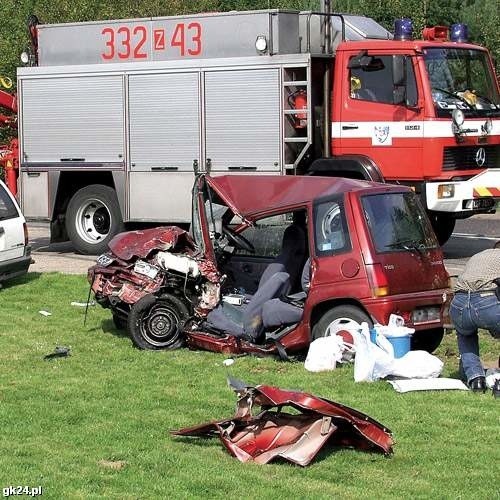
(461, 78)
(397, 222)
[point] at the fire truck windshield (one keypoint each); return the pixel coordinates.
(461, 78)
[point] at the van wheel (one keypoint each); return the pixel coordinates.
(156, 322)
(345, 314)
(93, 217)
(443, 226)
(427, 340)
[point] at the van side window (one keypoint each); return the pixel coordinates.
(374, 82)
(7, 208)
(267, 235)
(330, 228)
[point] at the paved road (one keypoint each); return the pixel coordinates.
(57, 257)
(470, 236)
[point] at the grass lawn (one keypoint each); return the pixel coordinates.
(96, 424)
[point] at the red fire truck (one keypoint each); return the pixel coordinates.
(115, 116)
(9, 154)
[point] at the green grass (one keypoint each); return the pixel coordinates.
(110, 402)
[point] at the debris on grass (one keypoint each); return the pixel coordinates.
(59, 352)
(83, 304)
(113, 464)
(45, 313)
(296, 436)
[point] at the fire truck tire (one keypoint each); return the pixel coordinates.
(156, 323)
(93, 217)
(345, 313)
(427, 340)
(443, 226)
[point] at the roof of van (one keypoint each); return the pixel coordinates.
(253, 194)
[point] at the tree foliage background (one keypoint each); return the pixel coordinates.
(482, 16)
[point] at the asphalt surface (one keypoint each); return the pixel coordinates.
(471, 236)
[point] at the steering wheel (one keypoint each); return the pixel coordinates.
(238, 240)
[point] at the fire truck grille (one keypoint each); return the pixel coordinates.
(471, 157)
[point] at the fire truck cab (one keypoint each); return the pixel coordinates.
(115, 117)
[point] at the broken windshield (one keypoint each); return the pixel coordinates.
(461, 78)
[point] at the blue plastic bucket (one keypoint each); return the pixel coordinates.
(401, 345)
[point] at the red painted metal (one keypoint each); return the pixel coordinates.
(141, 243)
(274, 433)
(9, 153)
(336, 279)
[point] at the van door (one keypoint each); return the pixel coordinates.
(11, 227)
(369, 123)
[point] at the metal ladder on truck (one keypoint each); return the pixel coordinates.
(297, 119)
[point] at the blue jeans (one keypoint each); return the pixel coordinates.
(468, 313)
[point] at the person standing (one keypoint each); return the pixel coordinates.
(476, 304)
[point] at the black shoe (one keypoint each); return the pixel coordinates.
(477, 384)
(496, 388)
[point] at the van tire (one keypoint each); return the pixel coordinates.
(347, 312)
(427, 340)
(156, 322)
(93, 218)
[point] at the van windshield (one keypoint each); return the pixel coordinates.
(397, 222)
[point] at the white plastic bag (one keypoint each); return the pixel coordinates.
(324, 354)
(372, 361)
(344, 327)
(417, 364)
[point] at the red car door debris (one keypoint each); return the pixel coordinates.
(294, 437)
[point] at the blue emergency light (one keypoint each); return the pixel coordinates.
(403, 29)
(459, 32)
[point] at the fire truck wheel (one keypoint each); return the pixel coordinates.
(346, 313)
(93, 217)
(443, 226)
(427, 340)
(156, 323)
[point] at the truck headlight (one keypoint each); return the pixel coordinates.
(458, 117)
(446, 191)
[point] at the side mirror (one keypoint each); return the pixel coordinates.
(399, 79)
(399, 70)
(361, 60)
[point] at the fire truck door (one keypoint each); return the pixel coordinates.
(372, 125)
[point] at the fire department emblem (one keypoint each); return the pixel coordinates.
(381, 135)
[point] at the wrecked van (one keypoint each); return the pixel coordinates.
(271, 262)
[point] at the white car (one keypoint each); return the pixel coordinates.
(15, 254)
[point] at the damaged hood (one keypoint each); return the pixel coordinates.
(141, 243)
(296, 437)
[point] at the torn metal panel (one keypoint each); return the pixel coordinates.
(140, 243)
(274, 433)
